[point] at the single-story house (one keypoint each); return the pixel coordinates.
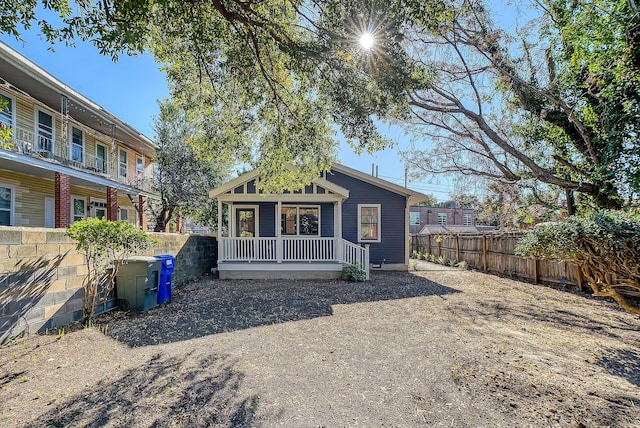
(344, 216)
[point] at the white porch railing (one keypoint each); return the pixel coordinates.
(293, 249)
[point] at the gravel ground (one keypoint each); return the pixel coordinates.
(436, 347)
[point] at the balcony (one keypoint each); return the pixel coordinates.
(27, 143)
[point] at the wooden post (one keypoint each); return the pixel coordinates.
(458, 248)
(580, 277)
(535, 270)
(484, 251)
(440, 248)
(428, 244)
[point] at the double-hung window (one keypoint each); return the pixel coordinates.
(414, 218)
(7, 205)
(467, 220)
(78, 208)
(77, 145)
(45, 132)
(123, 164)
(6, 111)
(139, 167)
(369, 222)
(124, 214)
(300, 220)
(101, 158)
(442, 219)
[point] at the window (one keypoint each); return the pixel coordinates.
(6, 205)
(414, 218)
(300, 220)
(45, 132)
(139, 166)
(101, 158)
(77, 145)
(442, 219)
(369, 221)
(6, 113)
(78, 208)
(246, 222)
(98, 208)
(124, 214)
(123, 164)
(467, 220)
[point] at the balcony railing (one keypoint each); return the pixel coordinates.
(29, 143)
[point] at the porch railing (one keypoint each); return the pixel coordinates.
(293, 249)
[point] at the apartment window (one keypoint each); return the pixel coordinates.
(442, 219)
(101, 158)
(45, 131)
(414, 219)
(300, 220)
(7, 205)
(124, 214)
(123, 164)
(369, 221)
(6, 112)
(139, 166)
(467, 219)
(78, 208)
(77, 145)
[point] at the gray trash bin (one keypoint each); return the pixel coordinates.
(137, 282)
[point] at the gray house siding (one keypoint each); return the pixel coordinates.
(267, 219)
(326, 220)
(392, 245)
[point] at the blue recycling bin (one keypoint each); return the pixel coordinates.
(166, 277)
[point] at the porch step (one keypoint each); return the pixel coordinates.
(264, 270)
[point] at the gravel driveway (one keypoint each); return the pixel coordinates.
(437, 347)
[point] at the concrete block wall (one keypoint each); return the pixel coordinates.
(41, 275)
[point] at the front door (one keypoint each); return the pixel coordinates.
(49, 211)
(245, 222)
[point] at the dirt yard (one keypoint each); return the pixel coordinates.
(437, 347)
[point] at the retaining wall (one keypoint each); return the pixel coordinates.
(41, 275)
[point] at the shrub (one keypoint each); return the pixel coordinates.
(600, 244)
(442, 260)
(432, 258)
(353, 272)
(463, 265)
(105, 244)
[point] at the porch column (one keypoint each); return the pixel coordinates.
(63, 200)
(142, 206)
(337, 229)
(219, 236)
(112, 204)
(279, 246)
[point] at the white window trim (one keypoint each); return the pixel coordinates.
(446, 219)
(359, 225)
(465, 217)
(412, 214)
(297, 207)
(73, 198)
(233, 220)
(120, 150)
(92, 206)
(106, 158)
(36, 124)
(13, 112)
(12, 208)
(139, 173)
(120, 210)
(84, 148)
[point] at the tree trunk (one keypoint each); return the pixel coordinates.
(571, 201)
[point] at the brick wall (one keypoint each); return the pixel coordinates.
(41, 275)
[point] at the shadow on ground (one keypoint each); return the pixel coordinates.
(212, 306)
(166, 391)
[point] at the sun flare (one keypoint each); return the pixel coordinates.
(366, 41)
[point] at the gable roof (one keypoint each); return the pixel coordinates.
(413, 196)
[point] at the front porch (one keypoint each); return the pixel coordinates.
(288, 257)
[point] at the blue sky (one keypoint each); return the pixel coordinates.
(130, 87)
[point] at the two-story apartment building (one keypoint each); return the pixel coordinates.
(441, 219)
(67, 158)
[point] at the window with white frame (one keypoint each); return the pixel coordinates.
(124, 214)
(6, 110)
(44, 130)
(414, 218)
(77, 145)
(139, 166)
(300, 220)
(442, 219)
(123, 164)
(369, 222)
(467, 219)
(101, 158)
(78, 208)
(7, 204)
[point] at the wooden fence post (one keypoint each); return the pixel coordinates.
(580, 277)
(457, 248)
(535, 270)
(484, 251)
(439, 248)
(428, 244)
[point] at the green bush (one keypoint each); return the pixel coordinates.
(105, 244)
(353, 272)
(600, 244)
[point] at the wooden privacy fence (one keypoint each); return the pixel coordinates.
(496, 254)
